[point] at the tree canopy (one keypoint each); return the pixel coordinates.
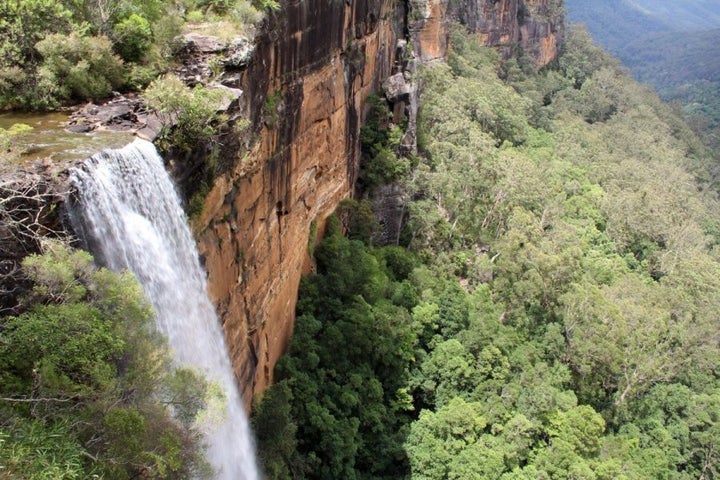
(557, 312)
(87, 388)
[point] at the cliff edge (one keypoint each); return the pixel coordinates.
(305, 90)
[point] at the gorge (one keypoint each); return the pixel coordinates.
(429, 259)
(305, 92)
(320, 60)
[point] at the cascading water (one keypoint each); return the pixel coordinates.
(129, 214)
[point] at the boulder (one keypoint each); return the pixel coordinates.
(239, 53)
(202, 43)
(396, 88)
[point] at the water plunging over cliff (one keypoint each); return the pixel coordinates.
(130, 215)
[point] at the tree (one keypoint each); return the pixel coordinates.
(75, 67)
(437, 438)
(630, 336)
(188, 115)
(84, 361)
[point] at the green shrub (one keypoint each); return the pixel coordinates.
(133, 38)
(220, 7)
(86, 380)
(166, 32)
(78, 68)
(263, 5)
(140, 76)
(194, 16)
(189, 115)
(244, 14)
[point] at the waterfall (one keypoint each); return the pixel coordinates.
(130, 216)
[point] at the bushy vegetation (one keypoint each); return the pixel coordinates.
(75, 67)
(60, 52)
(668, 45)
(339, 407)
(86, 385)
(382, 161)
(682, 68)
(189, 115)
(554, 314)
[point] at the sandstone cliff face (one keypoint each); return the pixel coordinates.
(535, 26)
(305, 91)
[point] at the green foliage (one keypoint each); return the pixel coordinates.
(340, 410)
(85, 378)
(271, 107)
(189, 115)
(581, 57)
(555, 316)
(31, 450)
(217, 6)
(358, 219)
(439, 439)
(79, 68)
(645, 39)
(24, 23)
(53, 53)
(380, 139)
(133, 37)
(22, 26)
(276, 433)
(48, 55)
(266, 5)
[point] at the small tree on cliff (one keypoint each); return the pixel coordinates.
(189, 116)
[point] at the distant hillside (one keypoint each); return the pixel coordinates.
(682, 15)
(671, 59)
(613, 23)
(668, 44)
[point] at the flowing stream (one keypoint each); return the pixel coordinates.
(130, 216)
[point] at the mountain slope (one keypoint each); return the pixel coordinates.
(686, 15)
(613, 23)
(555, 313)
(664, 60)
(668, 45)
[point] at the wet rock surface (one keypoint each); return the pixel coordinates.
(121, 113)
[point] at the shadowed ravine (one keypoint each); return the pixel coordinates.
(129, 214)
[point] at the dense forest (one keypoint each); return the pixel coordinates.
(668, 45)
(686, 71)
(552, 310)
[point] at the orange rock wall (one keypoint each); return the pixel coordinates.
(535, 26)
(317, 65)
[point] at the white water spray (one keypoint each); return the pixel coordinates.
(129, 214)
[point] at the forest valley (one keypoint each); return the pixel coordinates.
(552, 310)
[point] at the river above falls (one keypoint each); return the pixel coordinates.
(49, 139)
